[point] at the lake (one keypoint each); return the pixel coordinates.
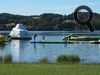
(24, 51)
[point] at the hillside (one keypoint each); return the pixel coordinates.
(46, 21)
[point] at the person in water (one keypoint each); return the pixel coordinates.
(35, 36)
(43, 37)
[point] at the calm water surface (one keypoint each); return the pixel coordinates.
(24, 51)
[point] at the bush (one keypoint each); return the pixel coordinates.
(68, 58)
(8, 59)
(44, 60)
(1, 59)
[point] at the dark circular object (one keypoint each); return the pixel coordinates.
(77, 11)
(87, 22)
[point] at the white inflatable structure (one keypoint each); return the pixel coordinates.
(20, 32)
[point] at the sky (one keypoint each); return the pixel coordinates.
(37, 7)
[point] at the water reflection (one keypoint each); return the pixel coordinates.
(18, 49)
(24, 51)
(89, 53)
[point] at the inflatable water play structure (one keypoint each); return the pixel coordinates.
(77, 37)
(20, 32)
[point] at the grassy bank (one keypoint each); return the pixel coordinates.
(49, 69)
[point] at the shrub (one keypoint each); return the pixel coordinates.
(68, 58)
(1, 59)
(44, 60)
(8, 59)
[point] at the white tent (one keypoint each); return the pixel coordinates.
(19, 32)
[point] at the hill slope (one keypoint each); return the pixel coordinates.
(46, 21)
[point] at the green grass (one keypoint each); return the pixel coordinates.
(49, 69)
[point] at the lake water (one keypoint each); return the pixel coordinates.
(24, 51)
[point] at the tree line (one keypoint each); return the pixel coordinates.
(47, 21)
